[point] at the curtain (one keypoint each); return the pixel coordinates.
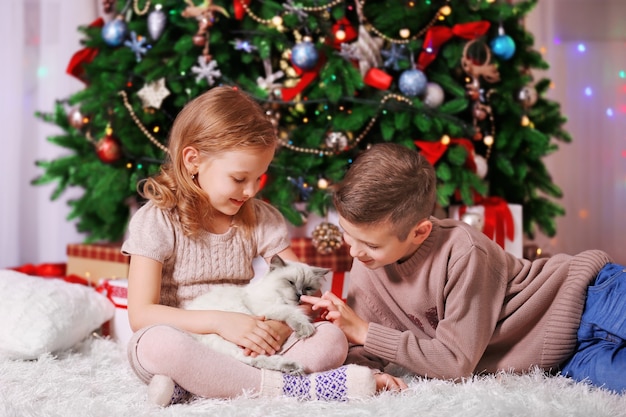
(39, 38)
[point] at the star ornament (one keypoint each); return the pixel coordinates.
(206, 70)
(153, 94)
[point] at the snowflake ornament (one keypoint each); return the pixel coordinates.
(138, 45)
(244, 45)
(349, 52)
(270, 81)
(206, 70)
(393, 55)
(303, 187)
(153, 94)
(291, 8)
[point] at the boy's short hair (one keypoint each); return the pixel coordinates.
(387, 182)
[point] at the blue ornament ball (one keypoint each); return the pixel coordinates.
(412, 82)
(304, 55)
(503, 46)
(114, 32)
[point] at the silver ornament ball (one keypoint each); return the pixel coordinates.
(336, 141)
(528, 96)
(476, 220)
(482, 168)
(434, 95)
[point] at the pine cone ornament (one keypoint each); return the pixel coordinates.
(327, 238)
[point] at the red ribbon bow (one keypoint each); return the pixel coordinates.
(436, 36)
(84, 56)
(498, 219)
(306, 78)
(433, 151)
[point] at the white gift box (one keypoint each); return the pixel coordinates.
(337, 283)
(513, 246)
(118, 328)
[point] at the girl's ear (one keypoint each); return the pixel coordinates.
(191, 159)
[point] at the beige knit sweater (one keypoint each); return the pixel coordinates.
(462, 305)
(190, 266)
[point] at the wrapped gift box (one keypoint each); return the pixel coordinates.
(337, 283)
(97, 261)
(338, 261)
(500, 221)
(118, 328)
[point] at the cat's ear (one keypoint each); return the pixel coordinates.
(321, 272)
(277, 262)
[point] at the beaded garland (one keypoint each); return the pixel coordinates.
(409, 38)
(140, 125)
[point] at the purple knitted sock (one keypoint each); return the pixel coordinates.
(341, 384)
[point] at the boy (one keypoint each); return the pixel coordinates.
(442, 300)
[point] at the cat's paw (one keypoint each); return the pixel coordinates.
(303, 330)
(293, 368)
(278, 363)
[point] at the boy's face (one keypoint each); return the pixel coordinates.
(375, 245)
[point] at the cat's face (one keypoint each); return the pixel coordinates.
(290, 280)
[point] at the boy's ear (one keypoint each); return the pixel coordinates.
(421, 231)
(191, 158)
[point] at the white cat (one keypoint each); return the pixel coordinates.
(276, 296)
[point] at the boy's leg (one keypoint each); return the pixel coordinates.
(164, 350)
(600, 356)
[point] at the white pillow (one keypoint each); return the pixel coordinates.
(39, 315)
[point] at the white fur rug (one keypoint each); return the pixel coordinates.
(95, 380)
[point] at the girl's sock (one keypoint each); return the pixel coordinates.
(341, 384)
(163, 391)
(166, 351)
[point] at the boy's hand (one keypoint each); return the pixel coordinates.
(386, 382)
(342, 316)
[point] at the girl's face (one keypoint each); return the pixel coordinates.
(230, 178)
(376, 245)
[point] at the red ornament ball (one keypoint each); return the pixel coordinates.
(109, 149)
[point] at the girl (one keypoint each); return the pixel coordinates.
(202, 227)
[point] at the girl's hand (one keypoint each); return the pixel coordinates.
(336, 311)
(255, 335)
(282, 329)
(386, 382)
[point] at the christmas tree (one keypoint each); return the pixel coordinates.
(452, 78)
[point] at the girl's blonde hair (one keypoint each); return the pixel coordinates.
(220, 120)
